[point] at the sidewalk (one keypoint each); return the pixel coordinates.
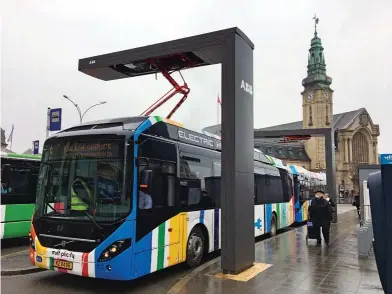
(17, 263)
(297, 267)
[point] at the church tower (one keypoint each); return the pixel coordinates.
(317, 104)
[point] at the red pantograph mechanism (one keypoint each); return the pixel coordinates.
(177, 89)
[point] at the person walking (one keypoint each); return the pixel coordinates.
(321, 216)
(357, 203)
(329, 200)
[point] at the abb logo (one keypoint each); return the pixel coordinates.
(247, 87)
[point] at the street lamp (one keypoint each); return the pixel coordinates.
(78, 108)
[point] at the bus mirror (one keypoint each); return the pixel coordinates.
(145, 178)
(5, 173)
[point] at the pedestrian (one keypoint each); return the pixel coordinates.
(321, 216)
(329, 200)
(356, 202)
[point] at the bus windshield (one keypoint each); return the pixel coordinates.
(84, 178)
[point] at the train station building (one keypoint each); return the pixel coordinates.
(356, 136)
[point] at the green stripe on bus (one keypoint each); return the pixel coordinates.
(26, 156)
(51, 267)
(161, 246)
(278, 225)
(284, 216)
(158, 118)
(18, 212)
(16, 229)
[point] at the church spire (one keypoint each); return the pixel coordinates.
(317, 74)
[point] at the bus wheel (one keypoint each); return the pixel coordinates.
(195, 247)
(273, 225)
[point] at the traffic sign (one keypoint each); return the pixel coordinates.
(55, 119)
(36, 147)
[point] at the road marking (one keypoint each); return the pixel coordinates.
(246, 275)
(14, 253)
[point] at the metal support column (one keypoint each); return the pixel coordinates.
(331, 168)
(237, 198)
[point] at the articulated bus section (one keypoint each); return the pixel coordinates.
(18, 194)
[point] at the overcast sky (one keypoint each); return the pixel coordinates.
(42, 40)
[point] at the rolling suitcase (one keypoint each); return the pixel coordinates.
(312, 231)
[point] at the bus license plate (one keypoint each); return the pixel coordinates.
(62, 264)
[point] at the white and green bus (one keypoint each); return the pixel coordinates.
(18, 187)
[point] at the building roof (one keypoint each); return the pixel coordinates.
(294, 151)
(341, 121)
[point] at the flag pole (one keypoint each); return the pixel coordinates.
(217, 111)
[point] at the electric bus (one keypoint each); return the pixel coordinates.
(18, 190)
(122, 198)
(305, 184)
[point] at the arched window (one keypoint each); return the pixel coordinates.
(360, 148)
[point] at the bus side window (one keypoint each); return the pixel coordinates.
(20, 187)
(268, 189)
(193, 171)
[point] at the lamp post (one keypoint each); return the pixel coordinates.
(78, 108)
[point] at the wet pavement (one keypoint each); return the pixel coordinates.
(12, 246)
(300, 268)
(296, 268)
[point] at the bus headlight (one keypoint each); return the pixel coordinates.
(114, 249)
(31, 241)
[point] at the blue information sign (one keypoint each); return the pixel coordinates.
(36, 147)
(386, 158)
(55, 120)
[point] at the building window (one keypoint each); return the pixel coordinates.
(360, 148)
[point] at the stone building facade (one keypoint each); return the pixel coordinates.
(356, 133)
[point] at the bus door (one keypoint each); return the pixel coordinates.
(158, 219)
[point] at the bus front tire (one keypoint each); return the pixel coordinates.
(195, 247)
(273, 226)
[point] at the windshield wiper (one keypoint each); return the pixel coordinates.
(91, 217)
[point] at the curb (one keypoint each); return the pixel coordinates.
(21, 271)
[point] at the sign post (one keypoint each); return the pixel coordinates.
(47, 122)
(35, 147)
(54, 118)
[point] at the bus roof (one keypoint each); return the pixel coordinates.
(173, 130)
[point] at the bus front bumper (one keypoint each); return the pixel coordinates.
(79, 263)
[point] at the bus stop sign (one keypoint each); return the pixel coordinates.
(55, 119)
(35, 147)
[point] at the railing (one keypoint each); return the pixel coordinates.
(365, 214)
